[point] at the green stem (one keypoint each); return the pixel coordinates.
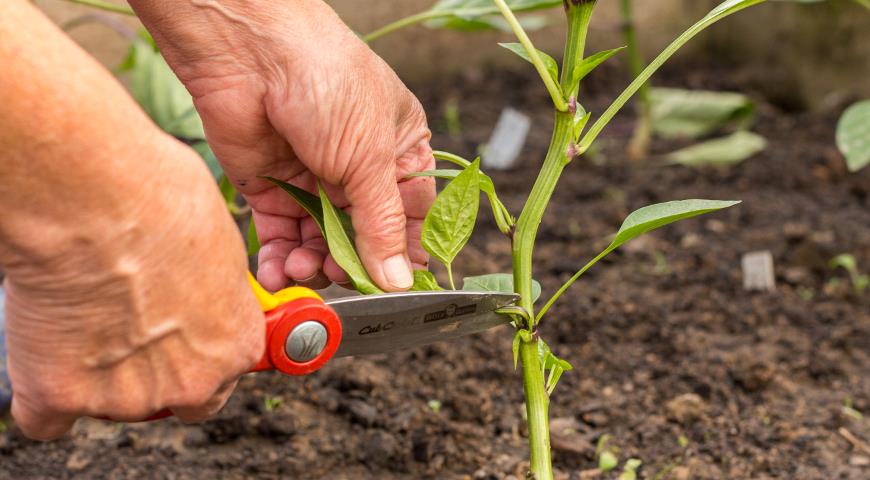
(530, 218)
(450, 157)
(549, 82)
(537, 411)
(643, 129)
(109, 7)
(557, 158)
(405, 22)
(450, 275)
(575, 48)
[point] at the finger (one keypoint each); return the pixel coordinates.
(418, 194)
(199, 413)
(334, 273)
(303, 264)
(379, 221)
(278, 236)
(270, 268)
(40, 424)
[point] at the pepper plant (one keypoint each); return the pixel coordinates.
(450, 221)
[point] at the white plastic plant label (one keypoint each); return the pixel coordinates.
(507, 140)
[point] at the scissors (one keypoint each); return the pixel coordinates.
(304, 332)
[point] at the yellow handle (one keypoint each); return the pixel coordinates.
(270, 301)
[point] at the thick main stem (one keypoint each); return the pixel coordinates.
(537, 411)
(523, 247)
(558, 156)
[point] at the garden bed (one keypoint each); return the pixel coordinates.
(682, 367)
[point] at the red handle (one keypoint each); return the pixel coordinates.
(280, 324)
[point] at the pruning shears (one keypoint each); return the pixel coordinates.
(304, 332)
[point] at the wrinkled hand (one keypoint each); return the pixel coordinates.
(140, 310)
(293, 94)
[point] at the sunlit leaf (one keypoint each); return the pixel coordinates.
(312, 205)
(520, 50)
(853, 135)
(591, 63)
(424, 281)
(642, 221)
(342, 249)
(725, 151)
(450, 221)
(476, 15)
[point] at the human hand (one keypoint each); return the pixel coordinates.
(126, 279)
(287, 90)
(155, 313)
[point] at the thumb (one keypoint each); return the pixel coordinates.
(379, 221)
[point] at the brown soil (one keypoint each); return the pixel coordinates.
(682, 367)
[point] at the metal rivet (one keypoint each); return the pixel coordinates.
(306, 341)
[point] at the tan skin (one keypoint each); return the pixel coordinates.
(125, 274)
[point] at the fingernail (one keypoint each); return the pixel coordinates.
(398, 272)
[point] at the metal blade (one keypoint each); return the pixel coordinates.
(383, 323)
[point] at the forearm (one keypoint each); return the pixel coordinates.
(68, 132)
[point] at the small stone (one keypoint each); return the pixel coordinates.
(716, 226)
(686, 408)
(277, 426)
(78, 461)
(361, 412)
(796, 275)
(691, 240)
(681, 473)
(380, 448)
(859, 461)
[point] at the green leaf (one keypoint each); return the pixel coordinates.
(591, 63)
(251, 239)
(629, 470)
(342, 249)
(725, 151)
(515, 348)
(497, 282)
(450, 221)
(311, 204)
(723, 10)
(424, 281)
(853, 135)
(580, 122)
(477, 15)
(520, 50)
(607, 461)
(694, 113)
(641, 221)
(502, 217)
(159, 92)
(486, 184)
(656, 216)
(554, 364)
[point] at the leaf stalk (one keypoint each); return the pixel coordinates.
(555, 92)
